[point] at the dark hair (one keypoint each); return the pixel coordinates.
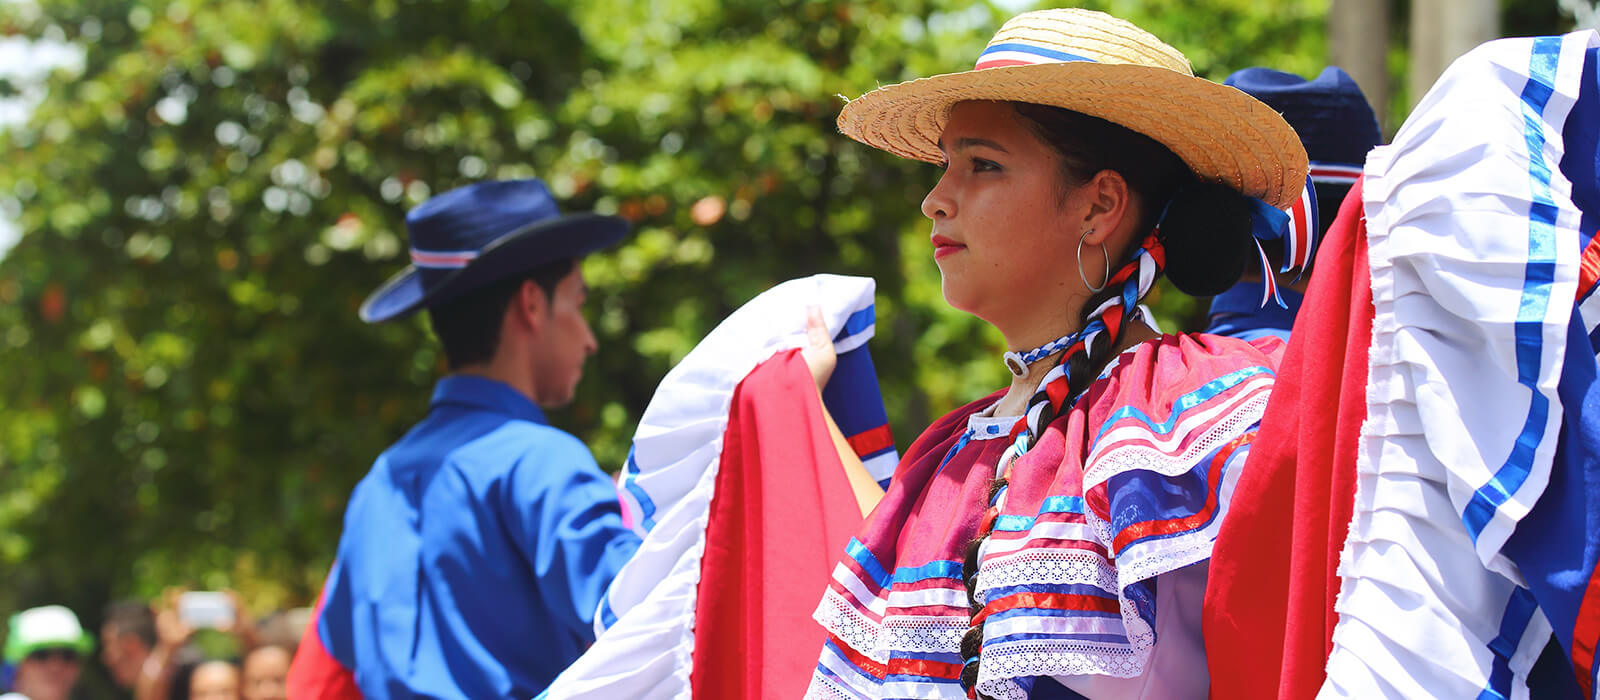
(469, 326)
(1204, 228)
(132, 617)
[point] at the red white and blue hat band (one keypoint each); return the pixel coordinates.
(1020, 54)
(442, 260)
(1334, 173)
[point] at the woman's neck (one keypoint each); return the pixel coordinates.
(1015, 401)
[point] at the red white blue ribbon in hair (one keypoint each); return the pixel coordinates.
(1134, 279)
(1295, 226)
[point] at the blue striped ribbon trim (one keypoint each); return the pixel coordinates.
(869, 563)
(954, 449)
(1053, 504)
(1540, 276)
(858, 321)
(1032, 637)
(647, 507)
(930, 570)
(1519, 612)
(1205, 393)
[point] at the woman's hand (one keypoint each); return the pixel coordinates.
(821, 357)
(818, 353)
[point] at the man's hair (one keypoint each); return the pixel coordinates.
(132, 617)
(469, 326)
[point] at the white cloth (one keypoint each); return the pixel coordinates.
(646, 638)
(1465, 356)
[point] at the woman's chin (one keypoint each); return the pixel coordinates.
(960, 297)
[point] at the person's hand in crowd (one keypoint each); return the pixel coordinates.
(171, 631)
(155, 679)
(243, 624)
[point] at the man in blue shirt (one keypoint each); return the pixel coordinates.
(1338, 128)
(477, 549)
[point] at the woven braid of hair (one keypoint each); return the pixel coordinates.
(1082, 363)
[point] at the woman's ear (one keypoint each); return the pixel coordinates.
(1109, 204)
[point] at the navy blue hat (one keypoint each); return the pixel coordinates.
(1331, 115)
(485, 232)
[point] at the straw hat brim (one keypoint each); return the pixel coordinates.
(1223, 134)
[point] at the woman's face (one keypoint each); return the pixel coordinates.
(214, 680)
(1004, 235)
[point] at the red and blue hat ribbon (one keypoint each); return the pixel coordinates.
(1295, 226)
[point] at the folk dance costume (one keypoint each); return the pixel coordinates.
(1092, 515)
(740, 497)
(484, 524)
(1421, 518)
(1104, 516)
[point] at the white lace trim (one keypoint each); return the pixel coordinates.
(897, 633)
(923, 634)
(822, 688)
(1004, 663)
(843, 620)
(1135, 447)
(1047, 566)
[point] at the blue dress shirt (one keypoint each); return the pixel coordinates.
(1238, 313)
(474, 554)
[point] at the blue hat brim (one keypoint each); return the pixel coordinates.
(571, 236)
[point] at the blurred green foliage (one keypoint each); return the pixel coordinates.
(189, 397)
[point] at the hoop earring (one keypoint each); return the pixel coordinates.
(1107, 258)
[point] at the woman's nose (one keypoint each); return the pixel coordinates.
(938, 204)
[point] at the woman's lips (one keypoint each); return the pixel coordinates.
(945, 246)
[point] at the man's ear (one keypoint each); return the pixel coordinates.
(531, 306)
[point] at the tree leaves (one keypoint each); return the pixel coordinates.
(191, 397)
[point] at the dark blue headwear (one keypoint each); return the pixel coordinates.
(1337, 127)
(482, 233)
(1331, 115)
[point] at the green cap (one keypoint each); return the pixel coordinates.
(47, 627)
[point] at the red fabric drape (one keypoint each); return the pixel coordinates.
(315, 674)
(1274, 571)
(782, 513)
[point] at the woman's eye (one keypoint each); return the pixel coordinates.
(980, 165)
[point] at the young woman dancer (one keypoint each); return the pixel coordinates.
(1051, 539)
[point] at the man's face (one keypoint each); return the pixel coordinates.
(123, 655)
(265, 672)
(48, 674)
(564, 342)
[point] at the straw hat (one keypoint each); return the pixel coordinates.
(1096, 64)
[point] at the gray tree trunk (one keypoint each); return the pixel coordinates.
(1358, 32)
(1442, 30)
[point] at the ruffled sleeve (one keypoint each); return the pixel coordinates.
(1132, 483)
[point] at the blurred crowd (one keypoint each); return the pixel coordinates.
(154, 650)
